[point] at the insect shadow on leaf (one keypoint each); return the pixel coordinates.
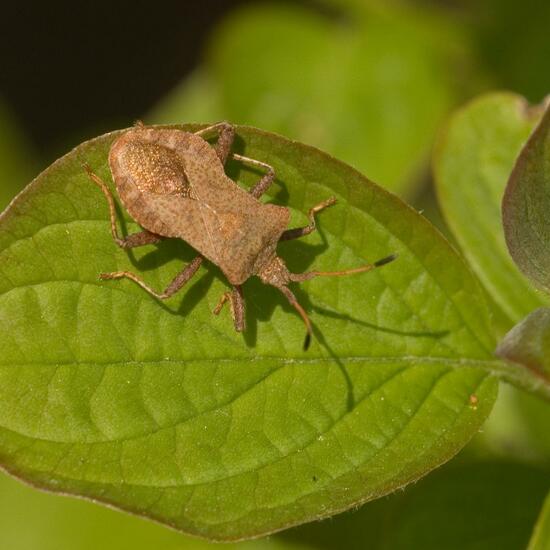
(173, 183)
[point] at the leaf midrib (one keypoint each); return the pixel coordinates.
(450, 364)
(448, 361)
(335, 236)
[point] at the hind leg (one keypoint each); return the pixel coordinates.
(177, 283)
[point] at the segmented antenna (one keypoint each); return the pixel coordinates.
(292, 299)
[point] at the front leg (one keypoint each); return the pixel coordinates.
(226, 137)
(265, 182)
(131, 241)
(298, 232)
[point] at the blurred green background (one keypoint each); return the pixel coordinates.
(370, 81)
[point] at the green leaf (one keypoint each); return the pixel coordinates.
(526, 205)
(473, 161)
(371, 90)
(163, 410)
(526, 348)
(527, 345)
(541, 534)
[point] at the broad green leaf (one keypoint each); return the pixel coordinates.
(473, 161)
(541, 534)
(163, 410)
(463, 507)
(526, 207)
(370, 90)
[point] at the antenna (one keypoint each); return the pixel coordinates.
(292, 299)
(277, 279)
(301, 277)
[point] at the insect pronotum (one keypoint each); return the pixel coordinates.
(173, 184)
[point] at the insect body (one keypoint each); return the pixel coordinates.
(174, 185)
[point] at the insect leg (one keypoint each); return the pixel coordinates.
(226, 136)
(139, 239)
(301, 277)
(236, 301)
(303, 231)
(263, 185)
(179, 281)
(131, 241)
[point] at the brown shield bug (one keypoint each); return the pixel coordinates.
(173, 184)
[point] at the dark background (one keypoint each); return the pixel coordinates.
(76, 67)
(70, 70)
